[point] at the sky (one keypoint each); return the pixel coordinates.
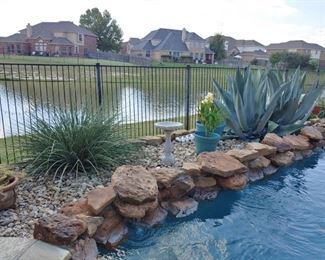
(267, 21)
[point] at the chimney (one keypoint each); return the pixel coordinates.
(29, 30)
(184, 35)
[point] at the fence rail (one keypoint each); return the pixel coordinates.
(140, 95)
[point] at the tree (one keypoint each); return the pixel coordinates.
(109, 34)
(291, 60)
(217, 45)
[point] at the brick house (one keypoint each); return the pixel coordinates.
(168, 44)
(315, 51)
(50, 38)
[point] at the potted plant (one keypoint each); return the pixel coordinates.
(206, 139)
(8, 184)
(200, 123)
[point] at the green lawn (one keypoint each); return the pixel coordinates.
(57, 60)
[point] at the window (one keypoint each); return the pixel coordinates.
(40, 46)
(147, 53)
(76, 50)
(18, 48)
(80, 37)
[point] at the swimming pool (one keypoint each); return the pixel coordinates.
(280, 217)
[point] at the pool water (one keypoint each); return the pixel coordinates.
(281, 217)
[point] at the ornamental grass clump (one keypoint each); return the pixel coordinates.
(208, 114)
(76, 141)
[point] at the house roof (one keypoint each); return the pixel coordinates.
(17, 37)
(47, 29)
(246, 43)
(298, 44)
(61, 41)
(257, 53)
(166, 39)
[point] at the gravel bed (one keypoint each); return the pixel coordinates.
(39, 197)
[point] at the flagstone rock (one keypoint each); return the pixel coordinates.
(178, 189)
(58, 229)
(166, 176)
(92, 223)
(259, 163)
(262, 149)
(112, 231)
(235, 182)
(243, 155)
(206, 193)
(255, 174)
(100, 198)
(270, 170)
(181, 208)
(307, 153)
(321, 129)
(298, 155)
(135, 211)
(192, 169)
(297, 142)
(276, 141)
(220, 164)
(204, 182)
(134, 184)
(282, 159)
(311, 132)
(155, 217)
(75, 208)
(84, 249)
(153, 140)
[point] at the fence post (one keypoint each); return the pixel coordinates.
(99, 85)
(188, 95)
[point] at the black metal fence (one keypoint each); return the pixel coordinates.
(140, 96)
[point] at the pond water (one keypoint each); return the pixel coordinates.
(281, 217)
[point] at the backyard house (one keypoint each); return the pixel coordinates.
(50, 38)
(171, 45)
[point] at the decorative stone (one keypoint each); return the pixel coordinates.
(100, 198)
(59, 229)
(179, 133)
(135, 211)
(311, 132)
(192, 169)
(235, 182)
(297, 142)
(283, 159)
(220, 164)
(134, 184)
(153, 140)
(204, 182)
(262, 149)
(206, 193)
(307, 153)
(179, 188)
(75, 208)
(255, 174)
(270, 170)
(112, 231)
(320, 144)
(181, 208)
(321, 129)
(92, 223)
(154, 217)
(259, 163)
(243, 155)
(276, 141)
(165, 176)
(298, 155)
(84, 249)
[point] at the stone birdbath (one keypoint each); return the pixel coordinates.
(168, 127)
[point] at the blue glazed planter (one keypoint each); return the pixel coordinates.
(205, 143)
(219, 129)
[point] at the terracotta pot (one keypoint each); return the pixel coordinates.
(316, 110)
(8, 194)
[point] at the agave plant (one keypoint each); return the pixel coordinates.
(246, 104)
(293, 107)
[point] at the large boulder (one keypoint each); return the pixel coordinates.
(270, 170)
(192, 169)
(59, 229)
(283, 159)
(204, 182)
(84, 249)
(243, 155)
(181, 208)
(112, 231)
(255, 174)
(100, 198)
(220, 164)
(165, 176)
(259, 163)
(311, 132)
(134, 184)
(135, 211)
(235, 182)
(262, 149)
(178, 189)
(297, 142)
(276, 141)
(75, 208)
(155, 217)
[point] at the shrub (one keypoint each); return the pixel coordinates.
(77, 141)
(290, 59)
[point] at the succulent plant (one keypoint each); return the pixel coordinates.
(246, 104)
(293, 107)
